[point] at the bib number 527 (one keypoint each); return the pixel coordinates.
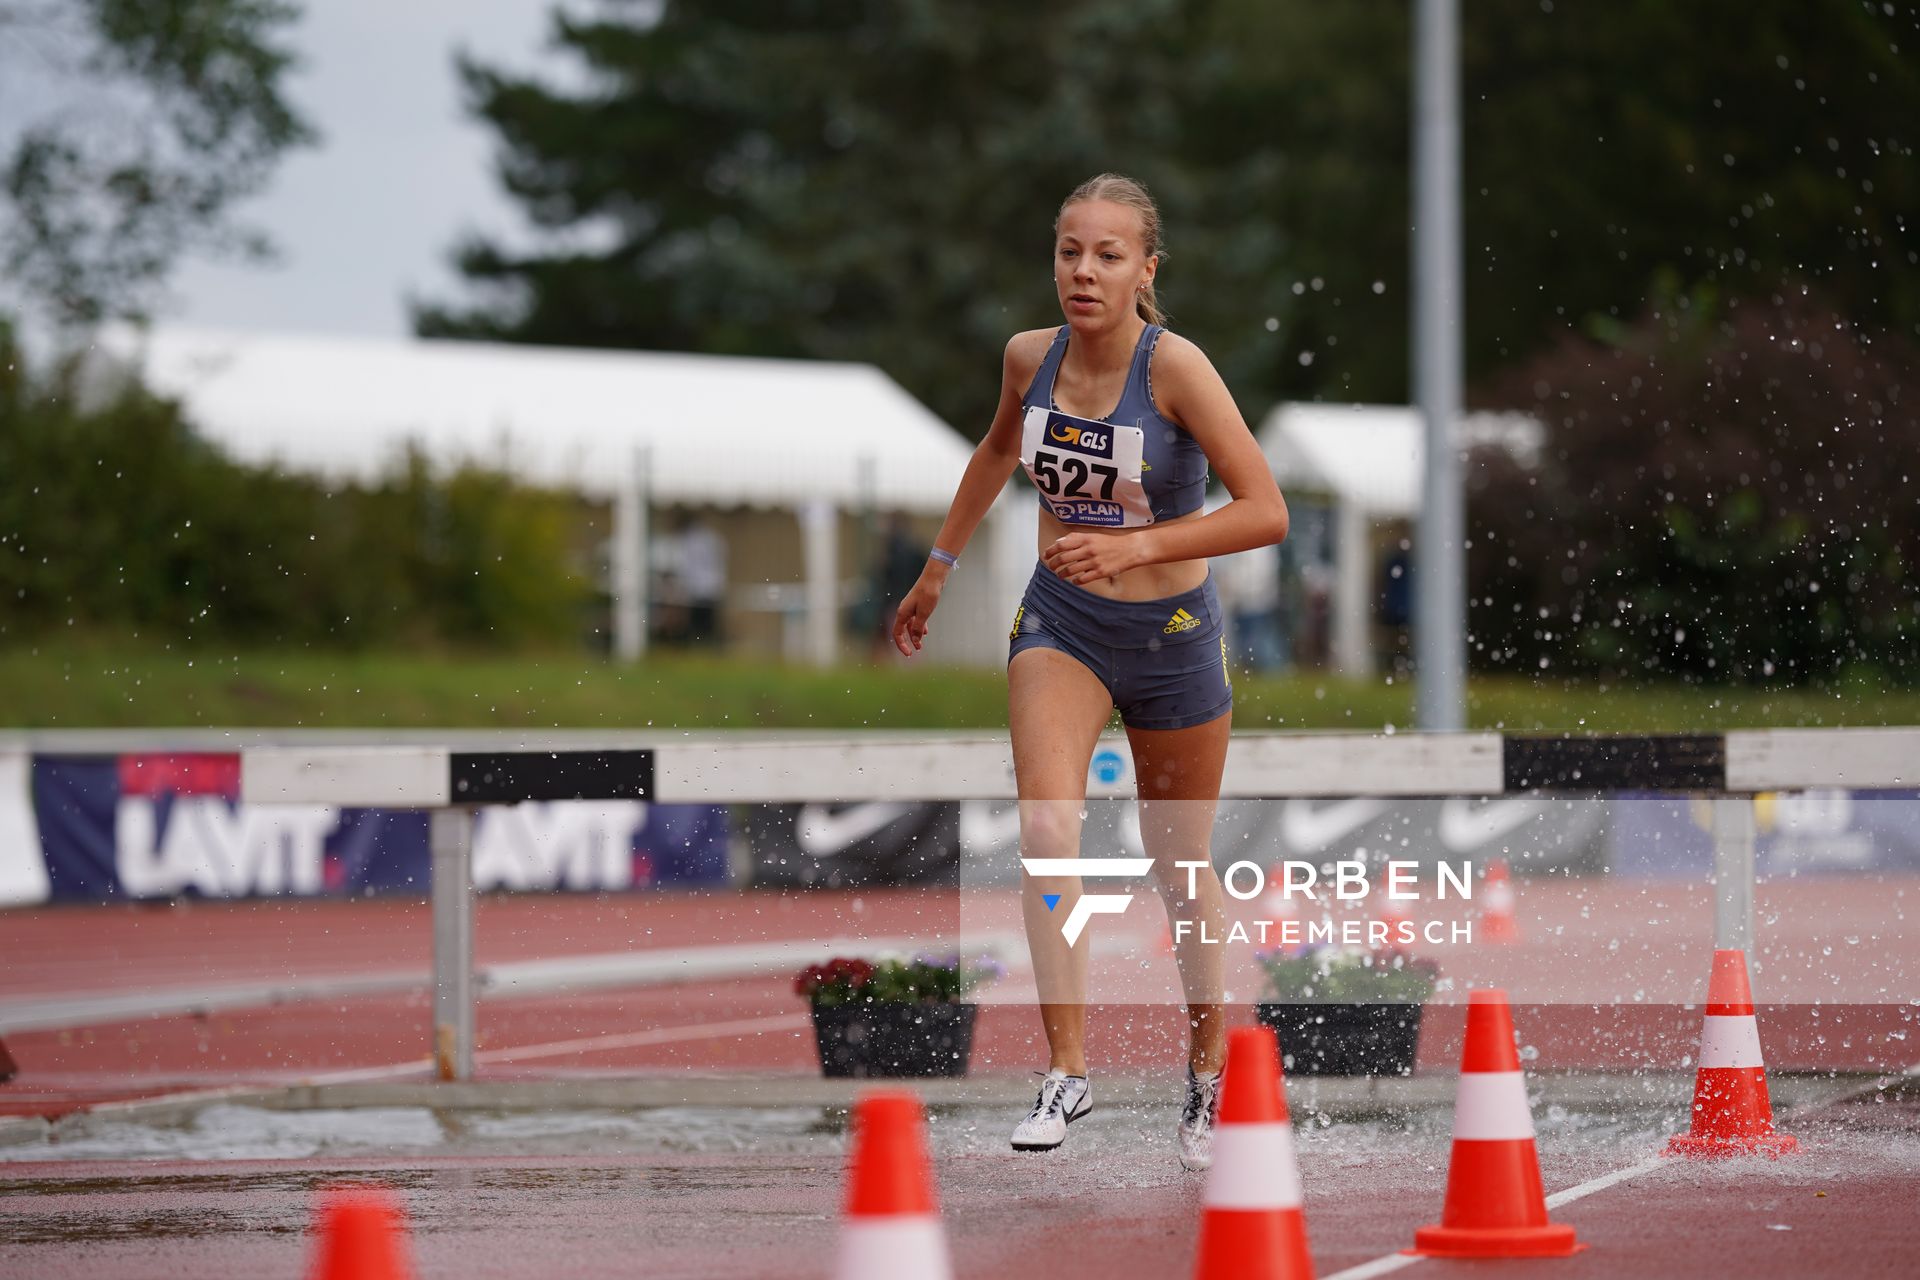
(1066, 477)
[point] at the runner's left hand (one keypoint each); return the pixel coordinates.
(1081, 558)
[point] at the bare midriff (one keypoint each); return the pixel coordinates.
(1142, 582)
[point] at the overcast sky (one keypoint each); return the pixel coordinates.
(369, 215)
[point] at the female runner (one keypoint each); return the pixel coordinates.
(1116, 420)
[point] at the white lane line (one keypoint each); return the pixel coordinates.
(353, 1075)
(1606, 1180)
(1878, 1083)
(585, 1044)
(195, 1096)
(659, 1035)
(653, 967)
(1378, 1267)
(551, 1049)
(60, 1012)
(666, 966)
(1395, 1261)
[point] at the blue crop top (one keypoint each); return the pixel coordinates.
(1173, 467)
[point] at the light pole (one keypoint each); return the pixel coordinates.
(1439, 556)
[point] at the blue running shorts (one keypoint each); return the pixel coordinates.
(1164, 662)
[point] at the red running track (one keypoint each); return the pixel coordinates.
(1817, 1020)
(1124, 1211)
(1120, 1211)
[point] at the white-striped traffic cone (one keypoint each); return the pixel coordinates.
(1497, 923)
(1275, 902)
(1252, 1225)
(1496, 1206)
(1732, 1114)
(892, 1229)
(1399, 926)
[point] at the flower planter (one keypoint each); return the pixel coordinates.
(1345, 1039)
(841, 1037)
(887, 1039)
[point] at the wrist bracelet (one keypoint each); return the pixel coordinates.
(944, 557)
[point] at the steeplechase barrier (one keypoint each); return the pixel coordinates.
(453, 775)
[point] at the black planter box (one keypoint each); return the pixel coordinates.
(1345, 1039)
(882, 1039)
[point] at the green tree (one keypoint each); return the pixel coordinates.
(1724, 495)
(873, 179)
(1606, 147)
(1750, 148)
(116, 516)
(134, 128)
(845, 179)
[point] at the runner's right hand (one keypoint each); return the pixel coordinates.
(910, 619)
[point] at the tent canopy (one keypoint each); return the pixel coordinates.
(1372, 455)
(720, 430)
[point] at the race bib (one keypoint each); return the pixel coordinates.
(1086, 472)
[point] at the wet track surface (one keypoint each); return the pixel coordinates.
(752, 1192)
(1836, 977)
(689, 1185)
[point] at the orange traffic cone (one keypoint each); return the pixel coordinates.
(1496, 1206)
(1252, 1226)
(1496, 911)
(362, 1236)
(892, 1229)
(1277, 904)
(1731, 1112)
(1399, 928)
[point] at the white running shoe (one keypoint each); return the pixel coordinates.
(1195, 1135)
(1063, 1099)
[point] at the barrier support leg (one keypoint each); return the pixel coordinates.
(1733, 840)
(450, 836)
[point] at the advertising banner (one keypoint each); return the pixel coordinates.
(161, 826)
(1811, 832)
(154, 826)
(1798, 832)
(845, 846)
(840, 846)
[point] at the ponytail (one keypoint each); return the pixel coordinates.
(1149, 306)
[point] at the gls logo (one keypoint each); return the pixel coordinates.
(1079, 437)
(1089, 905)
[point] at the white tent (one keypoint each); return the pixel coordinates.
(811, 436)
(1369, 460)
(714, 428)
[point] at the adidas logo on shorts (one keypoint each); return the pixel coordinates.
(1180, 621)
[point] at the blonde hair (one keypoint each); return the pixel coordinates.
(1120, 189)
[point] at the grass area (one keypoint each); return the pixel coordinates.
(95, 686)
